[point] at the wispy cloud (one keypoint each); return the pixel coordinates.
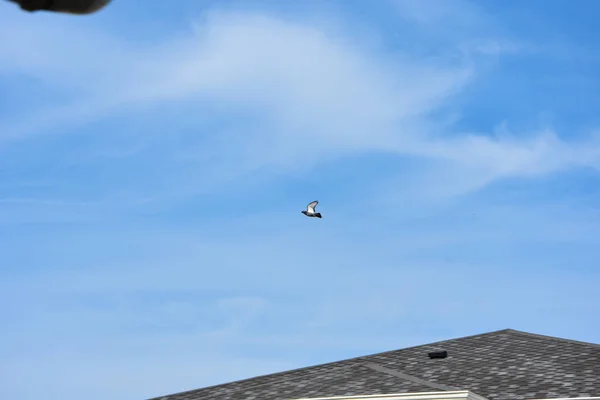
(316, 94)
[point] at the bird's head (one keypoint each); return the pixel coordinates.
(303, 212)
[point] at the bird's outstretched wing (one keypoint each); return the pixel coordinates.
(311, 206)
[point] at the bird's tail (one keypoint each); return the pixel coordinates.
(318, 215)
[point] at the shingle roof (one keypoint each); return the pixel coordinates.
(501, 365)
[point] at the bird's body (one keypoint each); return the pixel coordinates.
(310, 210)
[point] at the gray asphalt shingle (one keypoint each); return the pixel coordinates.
(499, 365)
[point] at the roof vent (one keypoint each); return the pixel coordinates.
(438, 354)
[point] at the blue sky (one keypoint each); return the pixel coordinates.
(154, 163)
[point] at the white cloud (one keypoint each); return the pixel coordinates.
(305, 83)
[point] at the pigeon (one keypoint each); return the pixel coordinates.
(310, 210)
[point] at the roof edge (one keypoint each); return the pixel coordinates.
(453, 395)
(553, 337)
(573, 398)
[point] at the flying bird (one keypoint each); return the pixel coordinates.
(310, 210)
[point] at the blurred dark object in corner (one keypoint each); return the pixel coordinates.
(62, 6)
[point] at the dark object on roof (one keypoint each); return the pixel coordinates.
(438, 354)
(501, 365)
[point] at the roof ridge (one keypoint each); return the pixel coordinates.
(537, 335)
(405, 376)
(358, 358)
